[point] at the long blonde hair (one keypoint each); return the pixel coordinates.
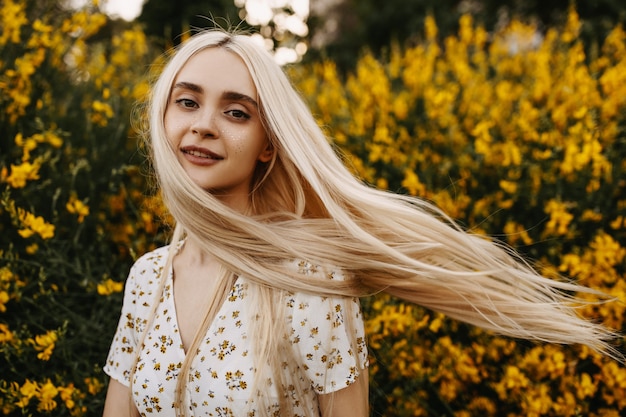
(307, 205)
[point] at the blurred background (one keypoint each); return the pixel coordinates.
(341, 28)
(511, 116)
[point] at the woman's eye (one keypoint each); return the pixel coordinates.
(238, 114)
(187, 103)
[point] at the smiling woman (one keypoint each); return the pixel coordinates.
(211, 132)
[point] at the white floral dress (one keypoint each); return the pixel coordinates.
(222, 372)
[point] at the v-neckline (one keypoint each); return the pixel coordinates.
(178, 339)
(182, 349)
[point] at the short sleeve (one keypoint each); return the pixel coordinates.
(138, 295)
(327, 334)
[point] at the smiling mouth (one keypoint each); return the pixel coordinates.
(201, 153)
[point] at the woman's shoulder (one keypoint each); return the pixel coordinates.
(156, 257)
(144, 278)
(147, 268)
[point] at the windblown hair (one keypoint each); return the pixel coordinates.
(305, 204)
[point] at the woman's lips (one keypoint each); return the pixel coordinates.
(200, 156)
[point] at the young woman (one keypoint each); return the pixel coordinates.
(252, 310)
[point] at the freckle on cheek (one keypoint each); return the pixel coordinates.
(238, 141)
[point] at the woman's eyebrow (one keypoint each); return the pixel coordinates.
(233, 95)
(184, 85)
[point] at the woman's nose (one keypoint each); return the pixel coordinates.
(205, 125)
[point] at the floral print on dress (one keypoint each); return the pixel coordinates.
(223, 371)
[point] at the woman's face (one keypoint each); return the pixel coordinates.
(213, 123)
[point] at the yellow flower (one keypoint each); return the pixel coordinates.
(94, 385)
(67, 394)
(591, 215)
(4, 298)
(516, 232)
(44, 344)
(435, 325)
(401, 106)
(430, 28)
(412, 183)
(560, 218)
(22, 173)
(454, 206)
(32, 249)
(586, 387)
(27, 391)
(607, 252)
(618, 223)
(13, 18)
(483, 137)
(382, 183)
(466, 29)
(572, 27)
(77, 207)
(482, 404)
(32, 225)
(102, 112)
(140, 91)
(511, 154)
(513, 379)
(5, 275)
(109, 287)
(47, 393)
(84, 24)
(27, 145)
(508, 186)
(6, 335)
(53, 139)
(573, 264)
(101, 107)
(565, 405)
(613, 379)
(537, 402)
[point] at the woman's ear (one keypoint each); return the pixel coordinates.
(267, 153)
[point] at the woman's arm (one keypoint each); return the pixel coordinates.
(118, 402)
(351, 401)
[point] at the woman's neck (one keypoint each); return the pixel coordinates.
(193, 254)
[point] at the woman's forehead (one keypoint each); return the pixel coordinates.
(217, 68)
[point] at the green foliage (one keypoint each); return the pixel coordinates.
(71, 204)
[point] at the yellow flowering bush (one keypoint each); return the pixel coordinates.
(519, 134)
(69, 226)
